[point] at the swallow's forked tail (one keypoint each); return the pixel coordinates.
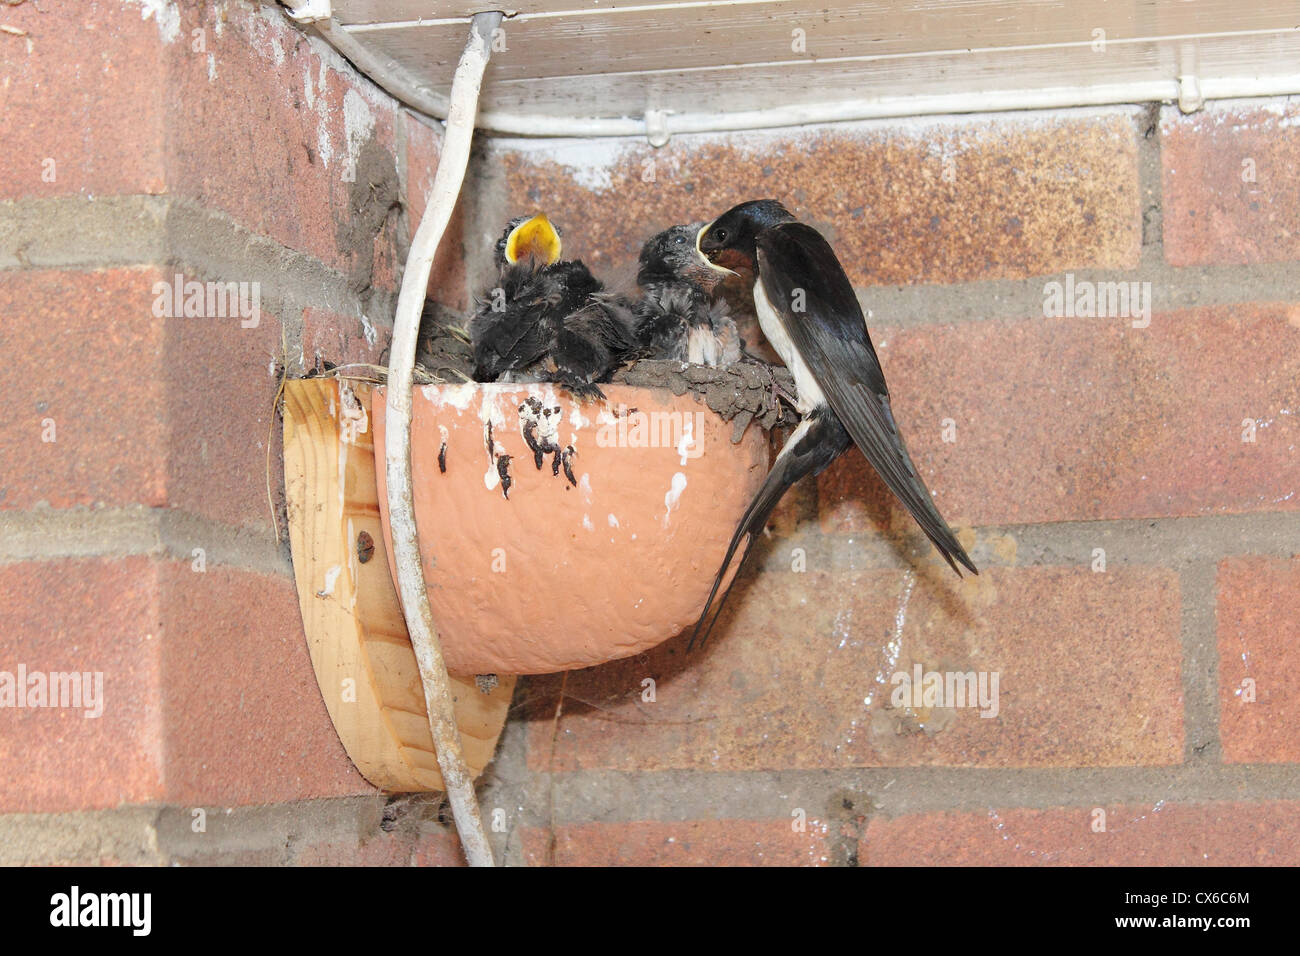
(819, 440)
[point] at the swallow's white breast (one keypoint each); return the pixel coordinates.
(808, 391)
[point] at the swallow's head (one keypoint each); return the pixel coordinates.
(672, 256)
(731, 240)
(527, 238)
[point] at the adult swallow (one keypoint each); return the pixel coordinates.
(810, 316)
(677, 317)
(544, 320)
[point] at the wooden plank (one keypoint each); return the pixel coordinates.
(708, 36)
(1028, 21)
(757, 87)
(405, 11)
(367, 675)
(621, 59)
(705, 37)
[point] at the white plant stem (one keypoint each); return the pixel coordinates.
(397, 445)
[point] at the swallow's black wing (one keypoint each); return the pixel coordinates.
(514, 326)
(815, 304)
(596, 334)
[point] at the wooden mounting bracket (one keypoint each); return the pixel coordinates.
(356, 633)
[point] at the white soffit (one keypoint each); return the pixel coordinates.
(582, 67)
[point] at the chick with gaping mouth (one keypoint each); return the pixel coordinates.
(544, 320)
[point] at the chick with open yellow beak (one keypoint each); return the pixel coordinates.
(547, 319)
(536, 239)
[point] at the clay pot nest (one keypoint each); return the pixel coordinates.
(557, 533)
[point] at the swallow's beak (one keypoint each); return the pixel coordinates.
(711, 264)
(536, 239)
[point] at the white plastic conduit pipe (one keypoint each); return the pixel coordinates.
(394, 78)
(461, 114)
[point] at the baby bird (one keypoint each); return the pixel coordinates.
(676, 317)
(544, 321)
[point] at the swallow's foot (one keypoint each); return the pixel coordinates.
(779, 394)
(775, 391)
(584, 391)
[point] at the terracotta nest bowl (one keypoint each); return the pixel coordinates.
(558, 534)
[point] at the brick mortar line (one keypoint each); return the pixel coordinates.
(127, 834)
(1151, 200)
(664, 796)
(486, 213)
(299, 280)
(285, 826)
(1147, 542)
(108, 231)
(179, 233)
(1173, 288)
(595, 796)
(48, 534)
(73, 533)
(200, 238)
(1200, 666)
(401, 151)
(233, 547)
(508, 783)
(158, 833)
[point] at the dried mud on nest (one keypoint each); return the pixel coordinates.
(741, 393)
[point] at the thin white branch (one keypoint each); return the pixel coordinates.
(397, 445)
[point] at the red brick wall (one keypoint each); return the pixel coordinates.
(222, 143)
(1072, 438)
(218, 142)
